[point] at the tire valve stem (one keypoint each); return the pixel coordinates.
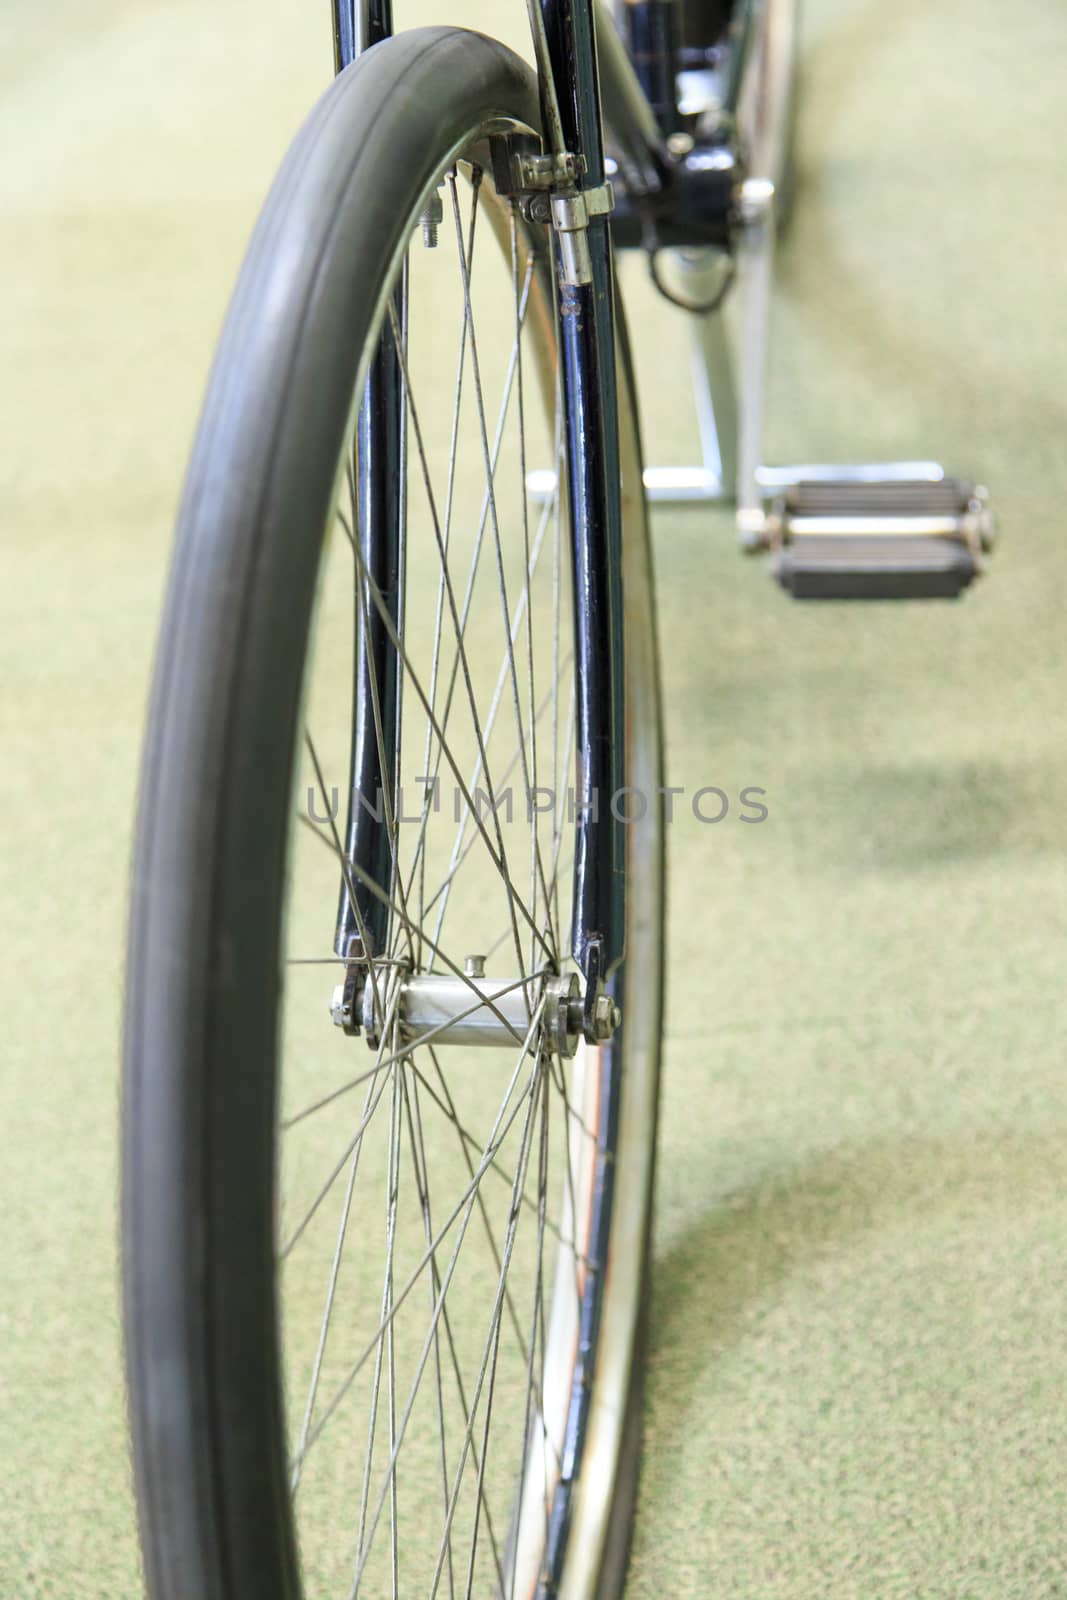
(430, 218)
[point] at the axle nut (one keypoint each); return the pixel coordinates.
(606, 1017)
(340, 1009)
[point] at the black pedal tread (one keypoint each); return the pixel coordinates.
(944, 497)
(874, 567)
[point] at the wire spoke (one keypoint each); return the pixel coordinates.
(479, 537)
(542, 1190)
(475, 1143)
(349, 1150)
(500, 856)
(465, 1204)
(488, 1354)
(331, 1290)
(465, 1141)
(493, 514)
(516, 902)
(351, 869)
(460, 851)
(536, 865)
(435, 1289)
(494, 706)
(402, 1054)
(345, 865)
(418, 863)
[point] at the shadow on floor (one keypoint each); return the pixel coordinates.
(708, 1286)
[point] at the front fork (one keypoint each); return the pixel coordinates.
(564, 40)
(571, 178)
(378, 466)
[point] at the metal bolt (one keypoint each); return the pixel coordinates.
(756, 529)
(680, 144)
(606, 1017)
(474, 966)
(337, 1006)
(538, 207)
(755, 199)
(431, 216)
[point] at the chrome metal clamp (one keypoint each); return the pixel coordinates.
(547, 189)
(571, 214)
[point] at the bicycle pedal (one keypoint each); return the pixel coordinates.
(904, 540)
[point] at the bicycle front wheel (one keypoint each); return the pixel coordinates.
(385, 1268)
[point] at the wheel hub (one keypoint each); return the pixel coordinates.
(470, 1010)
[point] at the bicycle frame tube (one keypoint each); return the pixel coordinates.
(357, 24)
(631, 131)
(586, 318)
(743, 37)
(362, 916)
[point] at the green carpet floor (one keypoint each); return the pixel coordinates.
(858, 1377)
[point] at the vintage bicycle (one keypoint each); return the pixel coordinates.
(396, 965)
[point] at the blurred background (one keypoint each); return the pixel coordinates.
(858, 1380)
